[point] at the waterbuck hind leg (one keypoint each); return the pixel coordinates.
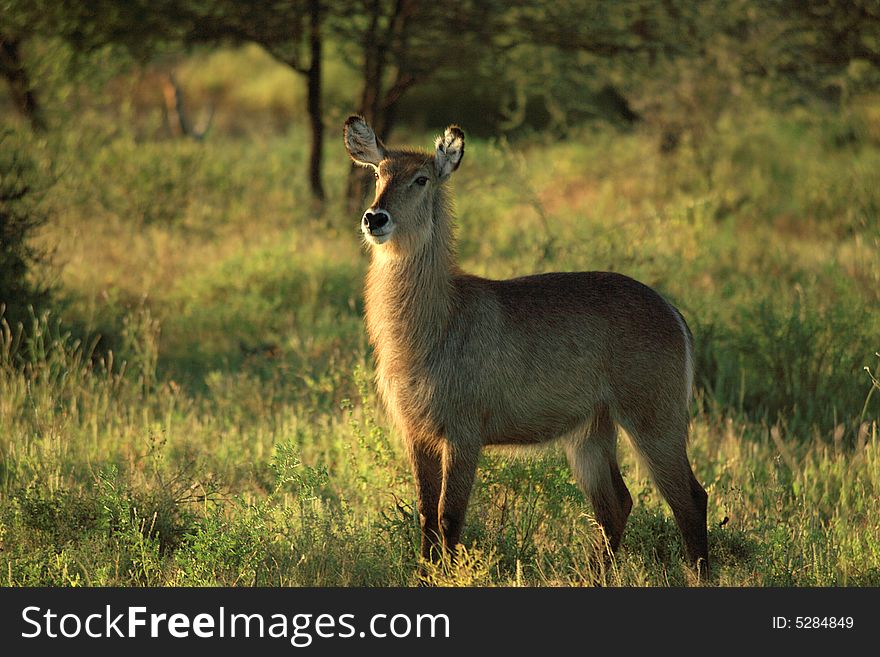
(592, 455)
(695, 534)
(669, 466)
(428, 473)
(459, 467)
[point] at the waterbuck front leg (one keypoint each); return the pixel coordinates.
(427, 468)
(459, 465)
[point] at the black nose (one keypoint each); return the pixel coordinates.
(375, 219)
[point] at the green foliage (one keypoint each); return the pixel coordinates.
(155, 181)
(794, 361)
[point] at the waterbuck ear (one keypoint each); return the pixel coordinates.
(450, 150)
(362, 144)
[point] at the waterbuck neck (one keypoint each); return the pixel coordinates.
(409, 297)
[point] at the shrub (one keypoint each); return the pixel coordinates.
(796, 360)
(20, 187)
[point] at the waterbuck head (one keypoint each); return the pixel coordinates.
(409, 185)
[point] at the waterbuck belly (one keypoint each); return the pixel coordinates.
(532, 412)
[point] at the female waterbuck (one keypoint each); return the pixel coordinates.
(464, 362)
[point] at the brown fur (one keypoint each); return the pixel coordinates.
(464, 362)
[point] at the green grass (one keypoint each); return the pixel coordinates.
(224, 429)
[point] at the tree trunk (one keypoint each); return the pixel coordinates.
(390, 101)
(23, 96)
(382, 48)
(375, 50)
(397, 40)
(374, 65)
(178, 120)
(314, 101)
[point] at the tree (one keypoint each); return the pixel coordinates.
(290, 30)
(398, 44)
(17, 21)
(820, 43)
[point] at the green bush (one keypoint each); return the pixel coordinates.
(796, 360)
(147, 183)
(20, 216)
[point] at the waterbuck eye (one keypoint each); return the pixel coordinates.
(422, 181)
(376, 175)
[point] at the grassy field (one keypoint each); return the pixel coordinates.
(223, 430)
